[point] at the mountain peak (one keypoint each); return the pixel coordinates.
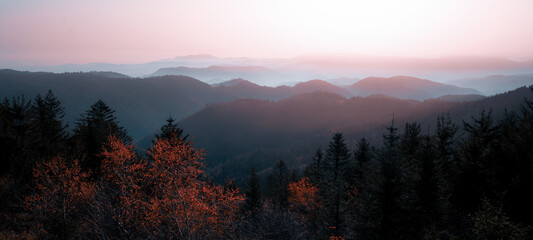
(235, 82)
(406, 87)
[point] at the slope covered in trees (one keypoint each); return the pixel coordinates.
(459, 180)
(250, 132)
(141, 102)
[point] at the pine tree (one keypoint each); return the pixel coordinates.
(477, 161)
(361, 156)
(315, 170)
(279, 180)
(390, 189)
(445, 141)
(170, 131)
(410, 140)
(15, 138)
(429, 206)
(48, 131)
(336, 161)
(93, 129)
(253, 193)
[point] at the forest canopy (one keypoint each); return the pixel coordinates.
(459, 181)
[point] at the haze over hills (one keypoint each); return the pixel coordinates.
(142, 104)
(406, 87)
(212, 74)
(249, 132)
(495, 83)
(401, 87)
(282, 71)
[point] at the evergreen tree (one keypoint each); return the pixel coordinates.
(277, 183)
(410, 140)
(477, 162)
(390, 191)
(445, 150)
(429, 206)
(253, 193)
(48, 131)
(15, 139)
(169, 131)
(93, 129)
(315, 170)
(336, 161)
(363, 153)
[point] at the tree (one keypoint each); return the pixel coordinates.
(477, 162)
(361, 156)
(253, 193)
(445, 138)
(303, 197)
(390, 190)
(62, 194)
(15, 139)
(48, 131)
(410, 140)
(336, 160)
(169, 130)
(277, 183)
(490, 222)
(92, 131)
(315, 170)
(169, 195)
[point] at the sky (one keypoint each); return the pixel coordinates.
(136, 31)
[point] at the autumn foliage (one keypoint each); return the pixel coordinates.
(165, 195)
(303, 194)
(168, 195)
(62, 193)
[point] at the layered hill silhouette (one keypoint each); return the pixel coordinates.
(247, 132)
(142, 104)
(246, 89)
(496, 83)
(406, 88)
(401, 87)
(213, 74)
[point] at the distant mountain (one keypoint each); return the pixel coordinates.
(141, 104)
(245, 89)
(342, 81)
(406, 88)
(251, 133)
(496, 83)
(319, 85)
(109, 74)
(461, 98)
(336, 69)
(211, 74)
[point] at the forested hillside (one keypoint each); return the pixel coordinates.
(248, 132)
(457, 180)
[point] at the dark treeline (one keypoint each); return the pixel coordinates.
(468, 181)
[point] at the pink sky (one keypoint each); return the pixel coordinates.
(132, 31)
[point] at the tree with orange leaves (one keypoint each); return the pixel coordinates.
(61, 197)
(303, 195)
(167, 196)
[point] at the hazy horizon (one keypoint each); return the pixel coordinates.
(123, 32)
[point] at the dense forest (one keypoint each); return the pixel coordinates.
(467, 181)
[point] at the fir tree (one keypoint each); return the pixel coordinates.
(253, 193)
(477, 161)
(169, 131)
(336, 161)
(48, 131)
(315, 170)
(390, 190)
(93, 129)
